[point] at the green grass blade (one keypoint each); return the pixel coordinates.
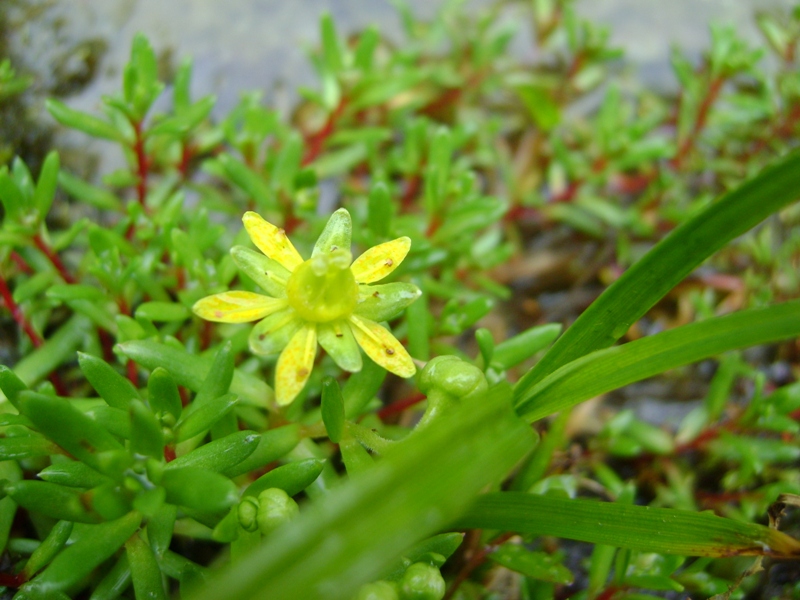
(609, 369)
(663, 530)
(672, 259)
(358, 531)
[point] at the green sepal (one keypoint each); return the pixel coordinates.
(203, 418)
(332, 409)
(292, 477)
(52, 500)
(68, 427)
(272, 445)
(219, 455)
(385, 302)
(199, 489)
(146, 435)
(145, 574)
(268, 274)
(93, 546)
(339, 342)
(271, 334)
(163, 393)
(73, 473)
(112, 387)
(337, 234)
(48, 549)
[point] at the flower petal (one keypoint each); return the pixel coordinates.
(382, 347)
(269, 274)
(383, 302)
(377, 262)
(295, 364)
(337, 233)
(271, 335)
(338, 341)
(236, 307)
(271, 240)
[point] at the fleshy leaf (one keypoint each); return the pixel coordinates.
(377, 262)
(382, 347)
(384, 302)
(337, 233)
(271, 240)
(295, 364)
(271, 335)
(338, 341)
(269, 274)
(237, 307)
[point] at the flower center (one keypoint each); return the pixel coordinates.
(323, 288)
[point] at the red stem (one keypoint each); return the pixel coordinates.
(714, 89)
(316, 141)
(25, 325)
(20, 262)
(474, 562)
(53, 258)
(401, 405)
(142, 164)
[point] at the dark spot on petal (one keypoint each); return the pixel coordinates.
(334, 248)
(339, 334)
(218, 314)
(302, 373)
(262, 336)
(389, 262)
(389, 351)
(376, 295)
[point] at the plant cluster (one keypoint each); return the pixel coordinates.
(170, 428)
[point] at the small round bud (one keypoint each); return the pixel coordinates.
(377, 590)
(453, 376)
(166, 418)
(275, 507)
(248, 514)
(423, 582)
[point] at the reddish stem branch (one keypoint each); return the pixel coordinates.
(475, 561)
(316, 141)
(401, 405)
(53, 257)
(714, 88)
(25, 325)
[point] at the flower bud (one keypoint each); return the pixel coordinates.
(377, 590)
(248, 514)
(422, 582)
(275, 507)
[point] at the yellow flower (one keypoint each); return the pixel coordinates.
(324, 299)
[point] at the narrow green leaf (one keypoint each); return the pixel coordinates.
(115, 582)
(68, 427)
(663, 530)
(47, 550)
(94, 546)
(332, 409)
(85, 192)
(219, 455)
(116, 390)
(190, 370)
(145, 574)
(199, 489)
(292, 477)
(73, 474)
(522, 346)
(163, 391)
(609, 369)
(537, 565)
(87, 123)
(202, 419)
(16, 448)
(46, 185)
(51, 500)
(10, 471)
(373, 524)
(162, 311)
(56, 350)
(672, 259)
(272, 445)
(146, 436)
